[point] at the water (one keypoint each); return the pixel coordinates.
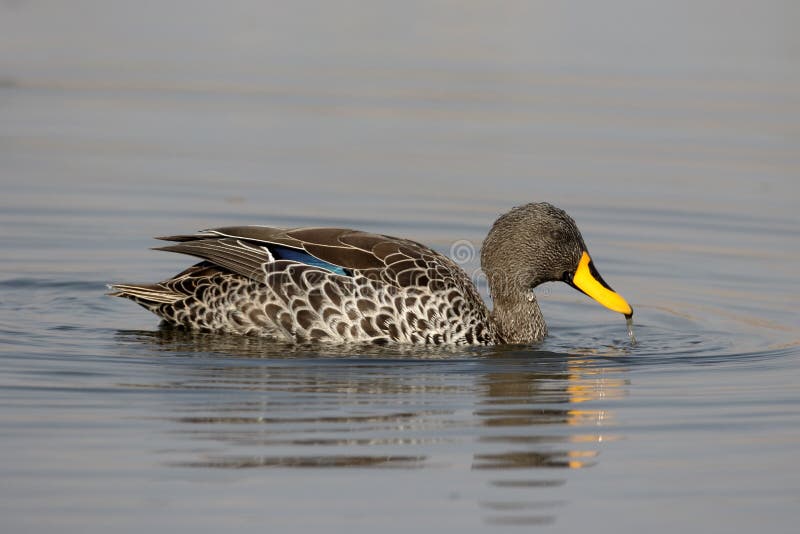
(677, 153)
(629, 323)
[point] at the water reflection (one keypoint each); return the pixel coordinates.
(528, 420)
(515, 418)
(319, 462)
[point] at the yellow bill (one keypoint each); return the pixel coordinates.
(589, 281)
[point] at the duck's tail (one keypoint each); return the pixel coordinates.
(148, 295)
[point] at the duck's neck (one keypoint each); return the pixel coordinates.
(517, 317)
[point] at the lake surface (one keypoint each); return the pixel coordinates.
(677, 152)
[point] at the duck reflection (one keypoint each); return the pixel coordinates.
(524, 416)
(535, 425)
(536, 414)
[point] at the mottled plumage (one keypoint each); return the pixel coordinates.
(340, 285)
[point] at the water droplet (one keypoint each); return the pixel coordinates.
(629, 321)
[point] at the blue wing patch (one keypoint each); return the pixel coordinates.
(301, 256)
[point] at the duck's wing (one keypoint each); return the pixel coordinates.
(247, 249)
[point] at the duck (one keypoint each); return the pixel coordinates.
(337, 285)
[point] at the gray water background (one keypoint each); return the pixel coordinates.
(668, 130)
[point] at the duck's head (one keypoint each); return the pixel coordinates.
(538, 243)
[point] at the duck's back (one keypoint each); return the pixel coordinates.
(326, 284)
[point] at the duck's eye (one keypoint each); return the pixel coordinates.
(556, 235)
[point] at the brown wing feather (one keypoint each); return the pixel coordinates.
(398, 262)
(265, 234)
(229, 253)
(319, 236)
(365, 240)
(347, 257)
